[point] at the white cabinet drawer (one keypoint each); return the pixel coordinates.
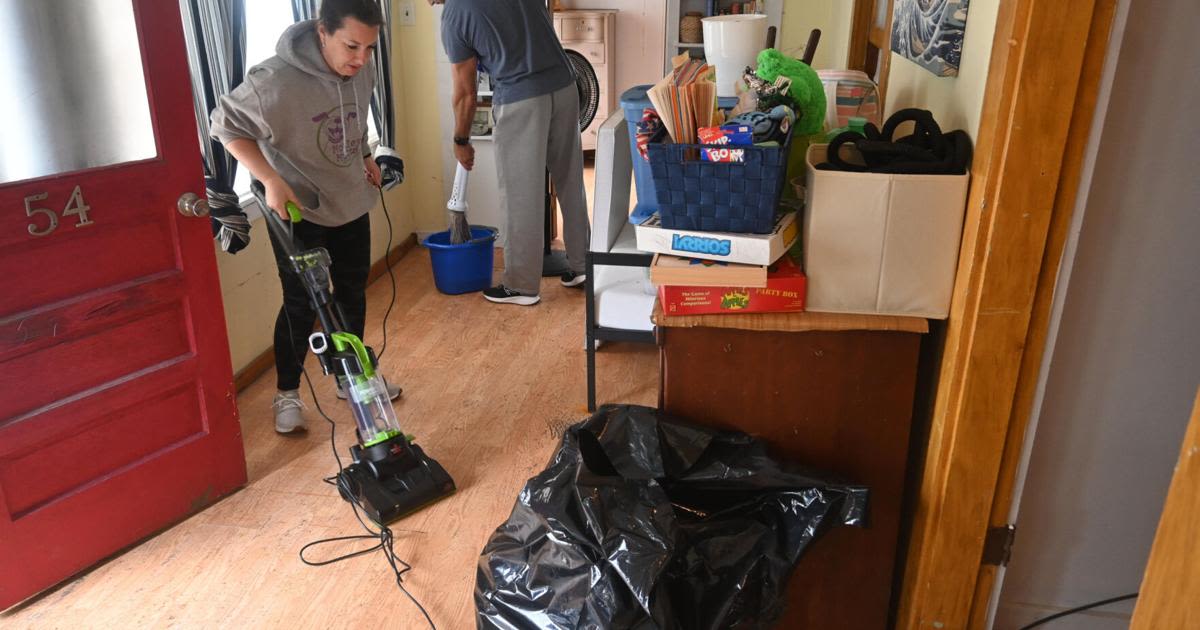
(593, 52)
(580, 29)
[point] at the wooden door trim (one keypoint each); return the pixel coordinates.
(1024, 180)
(1170, 584)
(1078, 137)
(860, 31)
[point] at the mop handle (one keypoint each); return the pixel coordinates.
(458, 194)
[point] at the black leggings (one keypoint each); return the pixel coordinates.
(349, 248)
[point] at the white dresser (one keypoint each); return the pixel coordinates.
(593, 34)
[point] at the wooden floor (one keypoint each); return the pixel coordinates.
(487, 391)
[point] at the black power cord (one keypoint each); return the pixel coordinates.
(387, 262)
(384, 535)
(1072, 611)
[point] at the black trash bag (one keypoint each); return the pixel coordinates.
(642, 522)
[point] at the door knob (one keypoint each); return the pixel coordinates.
(192, 205)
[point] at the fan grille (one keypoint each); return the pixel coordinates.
(589, 88)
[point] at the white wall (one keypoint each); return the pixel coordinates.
(1126, 360)
(833, 17)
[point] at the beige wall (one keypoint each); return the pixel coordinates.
(420, 119)
(249, 283)
(956, 102)
(833, 17)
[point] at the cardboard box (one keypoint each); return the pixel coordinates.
(784, 293)
(697, 272)
(748, 249)
(877, 243)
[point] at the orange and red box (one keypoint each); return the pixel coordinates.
(785, 293)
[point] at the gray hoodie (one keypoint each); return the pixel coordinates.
(310, 124)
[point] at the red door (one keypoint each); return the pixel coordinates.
(117, 412)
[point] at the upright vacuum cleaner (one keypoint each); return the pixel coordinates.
(391, 476)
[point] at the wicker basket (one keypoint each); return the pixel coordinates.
(718, 196)
(690, 29)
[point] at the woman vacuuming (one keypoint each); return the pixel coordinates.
(299, 124)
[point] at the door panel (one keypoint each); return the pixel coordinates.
(117, 246)
(117, 414)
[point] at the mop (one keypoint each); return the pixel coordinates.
(460, 230)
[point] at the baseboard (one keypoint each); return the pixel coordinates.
(255, 369)
(265, 361)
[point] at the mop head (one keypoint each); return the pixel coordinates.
(806, 93)
(460, 230)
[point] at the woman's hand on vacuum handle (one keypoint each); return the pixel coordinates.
(250, 156)
(278, 194)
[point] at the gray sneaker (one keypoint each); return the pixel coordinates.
(289, 410)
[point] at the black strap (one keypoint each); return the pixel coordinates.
(926, 151)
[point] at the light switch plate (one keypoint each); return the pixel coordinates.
(408, 13)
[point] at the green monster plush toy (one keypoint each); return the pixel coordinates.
(807, 96)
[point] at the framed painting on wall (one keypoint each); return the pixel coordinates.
(930, 33)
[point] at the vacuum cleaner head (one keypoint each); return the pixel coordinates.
(392, 479)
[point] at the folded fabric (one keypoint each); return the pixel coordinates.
(649, 129)
(391, 167)
(773, 125)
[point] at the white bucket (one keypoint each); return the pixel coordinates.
(732, 42)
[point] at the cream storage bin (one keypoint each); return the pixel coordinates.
(884, 244)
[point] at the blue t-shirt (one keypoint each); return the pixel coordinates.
(514, 41)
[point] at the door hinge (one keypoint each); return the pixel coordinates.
(997, 545)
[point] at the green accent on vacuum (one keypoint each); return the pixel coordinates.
(344, 340)
(381, 437)
(293, 211)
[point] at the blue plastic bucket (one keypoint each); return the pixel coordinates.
(462, 268)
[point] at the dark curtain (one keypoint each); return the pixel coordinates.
(304, 10)
(383, 105)
(215, 31)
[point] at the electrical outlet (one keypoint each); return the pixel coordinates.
(408, 13)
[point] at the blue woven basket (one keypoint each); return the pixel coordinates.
(718, 196)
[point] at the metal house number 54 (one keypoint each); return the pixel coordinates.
(75, 206)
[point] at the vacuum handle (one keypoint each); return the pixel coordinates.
(458, 194)
(274, 221)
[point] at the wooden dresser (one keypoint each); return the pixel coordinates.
(832, 392)
(593, 34)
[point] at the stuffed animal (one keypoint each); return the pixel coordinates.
(807, 94)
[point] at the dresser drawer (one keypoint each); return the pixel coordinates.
(580, 29)
(593, 52)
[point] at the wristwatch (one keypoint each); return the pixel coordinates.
(461, 141)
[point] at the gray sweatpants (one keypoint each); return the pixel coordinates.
(531, 136)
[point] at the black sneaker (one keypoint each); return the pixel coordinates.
(572, 279)
(504, 295)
